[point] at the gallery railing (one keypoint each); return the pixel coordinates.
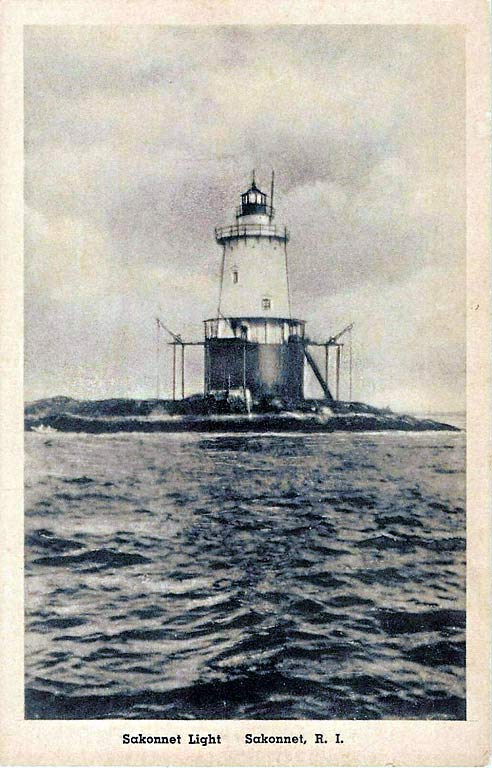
(271, 231)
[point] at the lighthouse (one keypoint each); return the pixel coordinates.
(253, 344)
(254, 348)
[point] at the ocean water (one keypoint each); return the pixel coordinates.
(245, 576)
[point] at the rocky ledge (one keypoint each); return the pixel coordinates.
(195, 414)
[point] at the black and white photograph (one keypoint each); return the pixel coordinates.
(245, 373)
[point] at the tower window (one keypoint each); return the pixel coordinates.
(235, 276)
(266, 303)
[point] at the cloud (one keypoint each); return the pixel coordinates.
(139, 140)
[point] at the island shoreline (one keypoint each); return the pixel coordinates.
(124, 415)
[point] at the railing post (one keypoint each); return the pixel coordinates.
(174, 370)
(339, 354)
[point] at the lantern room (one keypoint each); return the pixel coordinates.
(254, 203)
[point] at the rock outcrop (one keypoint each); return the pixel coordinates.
(196, 414)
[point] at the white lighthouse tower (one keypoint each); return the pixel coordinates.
(254, 343)
(254, 281)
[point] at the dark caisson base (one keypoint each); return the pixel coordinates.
(267, 370)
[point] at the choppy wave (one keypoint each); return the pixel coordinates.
(175, 576)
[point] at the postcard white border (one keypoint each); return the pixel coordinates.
(99, 742)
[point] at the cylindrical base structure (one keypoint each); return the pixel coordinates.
(266, 370)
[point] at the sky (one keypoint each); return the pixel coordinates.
(139, 141)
